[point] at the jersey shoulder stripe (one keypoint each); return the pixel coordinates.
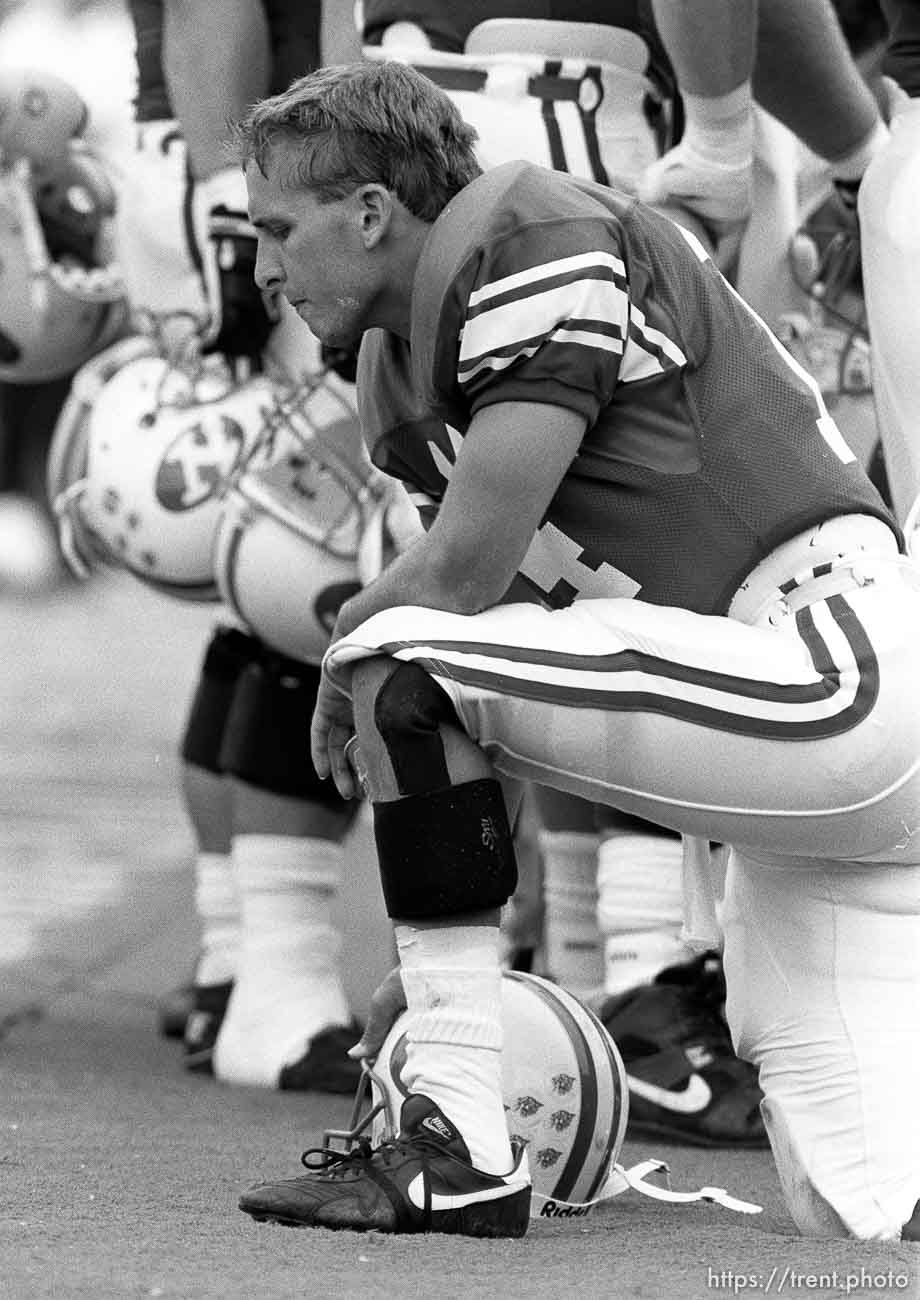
(595, 263)
(525, 282)
(586, 312)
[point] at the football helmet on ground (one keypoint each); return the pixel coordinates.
(61, 297)
(564, 1088)
(566, 1099)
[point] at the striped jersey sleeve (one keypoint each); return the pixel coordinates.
(545, 318)
(528, 290)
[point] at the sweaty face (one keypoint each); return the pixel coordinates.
(309, 251)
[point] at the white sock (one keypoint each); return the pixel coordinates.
(288, 984)
(573, 953)
(710, 171)
(218, 905)
(720, 128)
(852, 165)
(452, 979)
(640, 906)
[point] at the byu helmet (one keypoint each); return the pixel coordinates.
(61, 299)
(142, 455)
(564, 1087)
(287, 550)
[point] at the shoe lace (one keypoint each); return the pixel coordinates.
(338, 1164)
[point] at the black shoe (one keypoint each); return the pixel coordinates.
(685, 1082)
(423, 1181)
(911, 1229)
(203, 1025)
(174, 1009)
(326, 1065)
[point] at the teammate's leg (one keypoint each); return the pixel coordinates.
(890, 243)
(288, 1022)
(208, 802)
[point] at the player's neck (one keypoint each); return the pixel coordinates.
(393, 308)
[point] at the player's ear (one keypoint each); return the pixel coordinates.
(375, 212)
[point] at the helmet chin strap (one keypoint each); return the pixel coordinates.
(621, 1180)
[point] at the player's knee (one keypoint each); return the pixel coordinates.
(265, 744)
(229, 653)
(208, 805)
(400, 711)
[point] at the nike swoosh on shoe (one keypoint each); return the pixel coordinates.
(415, 1192)
(690, 1100)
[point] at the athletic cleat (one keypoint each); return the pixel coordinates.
(422, 1181)
(911, 1229)
(209, 1006)
(685, 1082)
(326, 1065)
(174, 1009)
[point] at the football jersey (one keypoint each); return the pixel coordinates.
(706, 444)
(294, 29)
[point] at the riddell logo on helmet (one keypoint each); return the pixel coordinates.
(560, 1210)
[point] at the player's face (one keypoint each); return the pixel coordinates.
(311, 252)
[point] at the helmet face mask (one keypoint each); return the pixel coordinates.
(287, 550)
(61, 296)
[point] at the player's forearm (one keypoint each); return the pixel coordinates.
(216, 61)
(427, 575)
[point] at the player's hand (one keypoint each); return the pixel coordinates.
(332, 727)
(241, 316)
(388, 1001)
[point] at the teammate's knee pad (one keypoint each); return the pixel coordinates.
(445, 853)
(229, 653)
(408, 712)
(266, 740)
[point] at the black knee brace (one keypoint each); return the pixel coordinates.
(445, 853)
(229, 653)
(408, 712)
(266, 741)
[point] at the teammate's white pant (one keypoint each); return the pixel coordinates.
(889, 202)
(564, 95)
(155, 244)
(790, 730)
(152, 231)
